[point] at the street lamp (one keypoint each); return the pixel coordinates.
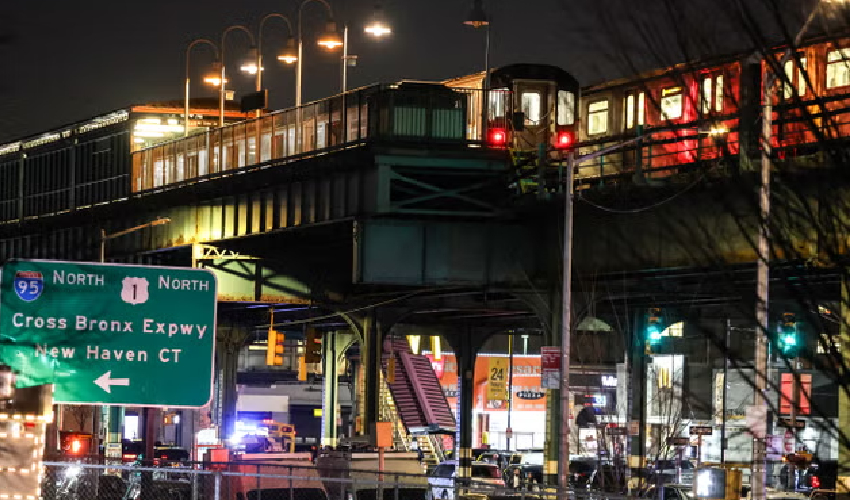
(186, 98)
(329, 39)
(377, 26)
(223, 80)
(478, 18)
(103, 236)
(288, 56)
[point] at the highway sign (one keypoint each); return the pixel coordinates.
(701, 430)
(110, 334)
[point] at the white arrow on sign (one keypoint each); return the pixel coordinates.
(105, 381)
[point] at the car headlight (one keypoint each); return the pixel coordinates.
(72, 471)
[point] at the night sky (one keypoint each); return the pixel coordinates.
(63, 61)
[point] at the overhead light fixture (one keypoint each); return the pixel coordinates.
(477, 18)
(289, 54)
(330, 38)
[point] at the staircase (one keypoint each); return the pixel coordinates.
(388, 413)
(432, 449)
(416, 391)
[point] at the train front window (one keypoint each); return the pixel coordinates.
(597, 117)
(711, 97)
(497, 100)
(671, 103)
(530, 102)
(838, 68)
(566, 107)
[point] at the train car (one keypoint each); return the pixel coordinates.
(89, 162)
(527, 105)
(663, 119)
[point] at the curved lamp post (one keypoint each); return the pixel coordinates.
(223, 80)
(289, 55)
(329, 39)
(377, 26)
(206, 79)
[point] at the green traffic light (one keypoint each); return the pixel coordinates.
(653, 333)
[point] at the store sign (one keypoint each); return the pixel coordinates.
(497, 379)
(530, 394)
(609, 381)
(550, 362)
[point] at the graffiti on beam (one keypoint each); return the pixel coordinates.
(209, 252)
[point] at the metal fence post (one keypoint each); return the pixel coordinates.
(259, 490)
(217, 485)
(291, 488)
(195, 485)
(395, 489)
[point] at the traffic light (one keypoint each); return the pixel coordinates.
(788, 338)
(274, 349)
(654, 326)
(313, 346)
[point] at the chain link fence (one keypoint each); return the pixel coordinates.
(240, 481)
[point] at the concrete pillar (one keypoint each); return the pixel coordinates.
(465, 355)
(842, 483)
(370, 357)
(229, 344)
(333, 347)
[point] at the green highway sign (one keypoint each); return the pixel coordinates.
(110, 334)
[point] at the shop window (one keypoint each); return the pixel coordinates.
(803, 405)
(530, 103)
(597, 117)
(566, 107)
(671, 103)
(665, 377)
(838, 68)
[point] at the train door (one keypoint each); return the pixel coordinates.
(535, 99)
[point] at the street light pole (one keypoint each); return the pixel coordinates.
(186, 97)
(759, 471)
(221, 90)
(300, 62)
(116, 413)
(567, 264)
(286, 57)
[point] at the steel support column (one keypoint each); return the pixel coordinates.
(465, 355)
(371, 359)
(637, 404)
(334, 349)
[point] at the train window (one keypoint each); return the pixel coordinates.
(634, 109)
(671, 103)
(795, 78)
(838, 68)
(530, 102)
(497, 103)
(597, 117)
(566, 107)
(711, 96)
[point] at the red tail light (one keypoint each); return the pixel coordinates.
(564, 140)
(497, 137)
(815, 482)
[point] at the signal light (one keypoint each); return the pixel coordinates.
(313, 347)
(815, 482)
(654, 327)
(274, 348)
(497, 137)
(788, 334)
(564, 140)
(76, 446)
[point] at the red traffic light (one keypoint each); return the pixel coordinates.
(564, 140)
(497, 137)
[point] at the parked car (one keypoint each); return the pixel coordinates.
(667, 470)
(671, 492)
(442, 480)
(580, 472)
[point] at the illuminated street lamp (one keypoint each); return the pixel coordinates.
(288, 56)
(186, 97)
(329, 39)
(222, 79)
(377, 26)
